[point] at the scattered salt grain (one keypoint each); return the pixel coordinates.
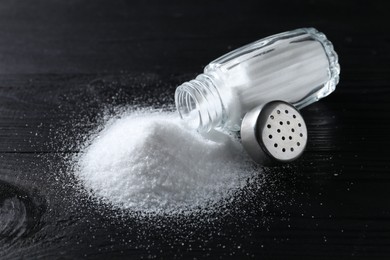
(149, 162)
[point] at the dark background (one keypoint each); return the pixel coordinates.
(62, 63)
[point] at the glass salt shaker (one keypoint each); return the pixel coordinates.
(299, 67)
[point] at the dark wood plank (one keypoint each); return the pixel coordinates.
(64, 64)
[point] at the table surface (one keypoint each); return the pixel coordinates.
(63, 63)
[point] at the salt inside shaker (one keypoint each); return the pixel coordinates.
(299, 67)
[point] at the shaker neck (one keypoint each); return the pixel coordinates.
(199, 103)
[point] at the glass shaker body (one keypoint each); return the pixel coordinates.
(299, 67)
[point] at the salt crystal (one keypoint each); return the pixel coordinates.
(148, 162)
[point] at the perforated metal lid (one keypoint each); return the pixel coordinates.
(275, 132)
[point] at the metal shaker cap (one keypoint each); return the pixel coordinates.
(274, 133)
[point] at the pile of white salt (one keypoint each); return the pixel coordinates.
(148, 162)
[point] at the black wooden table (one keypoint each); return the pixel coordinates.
(63, 63)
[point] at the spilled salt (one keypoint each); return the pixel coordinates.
(148, 162)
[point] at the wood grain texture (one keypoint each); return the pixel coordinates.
(64, 64)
